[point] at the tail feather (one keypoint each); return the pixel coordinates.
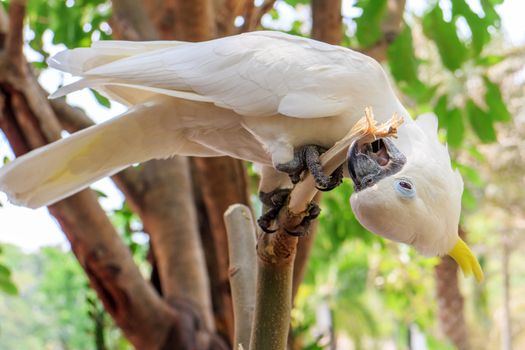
(65, 167)
(77, 61)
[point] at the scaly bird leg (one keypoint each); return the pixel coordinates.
(307, 158)
(275, 201)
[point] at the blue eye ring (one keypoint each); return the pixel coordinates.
(405, 188)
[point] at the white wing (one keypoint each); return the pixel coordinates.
(254, 74)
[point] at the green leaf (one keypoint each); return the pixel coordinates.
(100, 194)
(7, 286)
(101, 99)
(497, 107)
(489, 60)
(401, 58)
(491, 15)
(4, 272)
(478, 26)
(451, 120)
(468, 200)
(441, 111)
(419, 91)
(368, 29)
(455, 128)
(471, 174)
(297, 2)
(451, 50)
(481, 122)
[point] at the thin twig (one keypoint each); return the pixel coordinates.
(276, 252)
(241, 246)
(15, 36)
(255, 17)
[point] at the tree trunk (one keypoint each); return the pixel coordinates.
(506, 327)
(450, 303)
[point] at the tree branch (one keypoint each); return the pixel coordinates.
(172, 224)
(15, 34)
(273, 300)
(152, 194)
(254, 15)
(327, 22)
(130, 20)
(218, 193)
(195, 20)
(391, 27)
(225, 13)
(276, 252)
(304, 247)
(242, 247)
(145, 318)
(72, 119)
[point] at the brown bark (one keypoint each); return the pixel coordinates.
(149, 323)
(194, 20)
(229, 187)
(170, 218)
(304, 247)
(162, 192)
(222, 182)
(253, 15)
(327, 22)
(131, 22)
(450, 303)
(225, 13)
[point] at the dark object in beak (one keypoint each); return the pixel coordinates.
(370, 162)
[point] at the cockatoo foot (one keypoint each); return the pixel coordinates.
(335, 180)
(303, 228)
(307, 158)
(275, 200)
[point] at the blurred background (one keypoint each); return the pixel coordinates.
(460, 59)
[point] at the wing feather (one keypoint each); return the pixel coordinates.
(254, 74)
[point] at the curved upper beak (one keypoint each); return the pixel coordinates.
(466, 260)
(370, 162)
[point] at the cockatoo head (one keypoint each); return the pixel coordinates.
(407, 191)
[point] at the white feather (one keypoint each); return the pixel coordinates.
(157, 129)
(255, 96)
(254, 74)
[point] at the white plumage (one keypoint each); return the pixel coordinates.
(255, 96)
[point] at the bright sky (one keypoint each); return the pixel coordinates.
(31, 229)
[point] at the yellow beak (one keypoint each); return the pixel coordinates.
(466, 260)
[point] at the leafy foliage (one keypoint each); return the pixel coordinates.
(369, 23)
(72, 23)
(386, 280)
(6, 282)
(452, 50)
(364, 280)
(55, 307)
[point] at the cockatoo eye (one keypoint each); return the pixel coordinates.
(405, 188)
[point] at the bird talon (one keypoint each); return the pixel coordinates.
(300, 233)
(335, 180)
(302, 229)
(275, 200)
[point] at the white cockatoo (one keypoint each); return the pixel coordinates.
(267, 97)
